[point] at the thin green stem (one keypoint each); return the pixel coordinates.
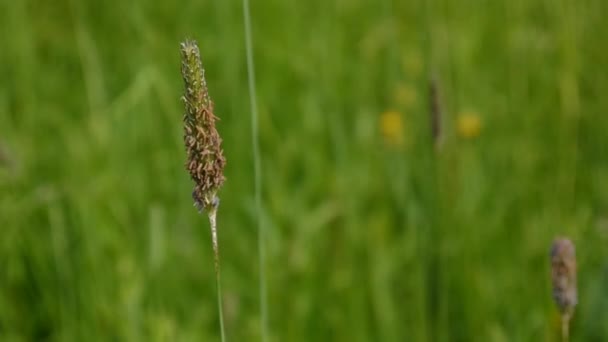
(216, 253)
(257, 170)
(565, 327)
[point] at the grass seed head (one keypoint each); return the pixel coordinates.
(206, 160)
(435, 112)
(563, 275)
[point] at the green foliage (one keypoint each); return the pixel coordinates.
(370, 238)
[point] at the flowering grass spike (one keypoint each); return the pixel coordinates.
(563, 278)
(203, 144)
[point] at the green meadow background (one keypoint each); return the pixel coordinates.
(372, 232)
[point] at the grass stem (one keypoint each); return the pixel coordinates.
(216, 253)
(257, 170)
(565, 328)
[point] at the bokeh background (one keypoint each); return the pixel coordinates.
(375, 231)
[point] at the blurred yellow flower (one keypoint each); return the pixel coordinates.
(469, 125)
(405, 95)
(391, 127)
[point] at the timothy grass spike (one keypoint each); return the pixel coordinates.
(563, 278)
(435, 112)
(206, 160)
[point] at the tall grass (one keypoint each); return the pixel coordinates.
(205, 158)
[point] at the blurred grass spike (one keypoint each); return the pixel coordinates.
(563, 278)
(203, 145)
(435, 112)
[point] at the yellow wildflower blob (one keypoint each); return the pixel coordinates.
(405, 95)
(391, 127)
(469, 125)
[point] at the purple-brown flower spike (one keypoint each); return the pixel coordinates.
(203, 144)
(563, 275)
(563, 278)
